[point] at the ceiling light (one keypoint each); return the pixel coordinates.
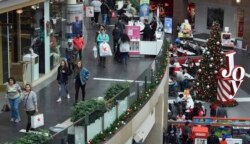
(238, 1)
(19, 11)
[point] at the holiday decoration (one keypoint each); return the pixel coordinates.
(230, 79)
(212, 61)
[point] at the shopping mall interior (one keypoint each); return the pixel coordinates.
(124, 72)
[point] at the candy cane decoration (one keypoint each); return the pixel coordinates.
(229, 79)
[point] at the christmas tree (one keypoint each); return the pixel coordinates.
(212, 61)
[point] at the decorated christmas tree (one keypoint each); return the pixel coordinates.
(212, 60)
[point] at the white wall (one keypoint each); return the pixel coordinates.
(230, 17)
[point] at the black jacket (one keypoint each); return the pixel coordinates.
(62, 74)
(213, 139)
(116, 34)
(146, 32)
(104, 8)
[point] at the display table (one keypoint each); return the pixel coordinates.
(32, 70)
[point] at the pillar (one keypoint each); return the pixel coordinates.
(246, 33)
(179, 14)
(46, 37)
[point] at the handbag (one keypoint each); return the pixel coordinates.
(37, 120)
(105, 49)
(5, 108)
(124, 47)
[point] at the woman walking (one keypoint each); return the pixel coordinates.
(124, 47)
(62, 78)
(30, 104)
(102, 37)
(81, 77)
(13, 94)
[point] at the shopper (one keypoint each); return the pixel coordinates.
(116, 36)
(97, 9)
(213, 139)
(246, 138)
(172, 133)
(124, 47)
(213, 109)
(223, 141)
(186, 133)
(104, 11)
(78, 43)
(13, 94)
(153, 26)
(76, 27)
(222, 112)
(102, 37)
(81, 77)
(120, 25)
(30, 104)
(62, 79)
(146, 31)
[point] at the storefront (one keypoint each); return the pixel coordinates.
(33, 37)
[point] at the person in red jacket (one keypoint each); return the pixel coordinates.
(78, 44)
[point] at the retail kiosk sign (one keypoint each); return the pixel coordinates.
(229, 78)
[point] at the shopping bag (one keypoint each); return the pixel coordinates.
(105, 50)
(6, 108)
(124, 47)
(37, 120)
(95, 51)
(113, 15)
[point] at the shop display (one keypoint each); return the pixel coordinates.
(223, 131)
(200, 134)
(168, 25)
(226, 39)
(185, 30)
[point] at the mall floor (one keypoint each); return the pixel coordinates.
(48, 92)
(58, 112)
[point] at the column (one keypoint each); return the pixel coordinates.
(246, 33)
(179, 14)
(46, 37)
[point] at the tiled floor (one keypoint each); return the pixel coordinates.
(58, 112)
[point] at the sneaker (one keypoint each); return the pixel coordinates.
(59, 100)
(12, 119)
(17, 120)
(68, 96)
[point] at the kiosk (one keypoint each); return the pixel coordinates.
(200, 134)
(32, 70)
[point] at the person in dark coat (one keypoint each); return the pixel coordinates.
(120, 25)
(213, 139)
(104, 11)
(146, 31)
(222, 112)
(153, 26)
(62, 78)
(213, 109)
(116, 36)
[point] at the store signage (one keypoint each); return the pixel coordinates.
(168, 25)
(144, 9)
(89, 11)
(230, 78)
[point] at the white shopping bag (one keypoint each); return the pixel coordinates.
(124, 47)
(105, 50)
(37, 120)
(95, 51)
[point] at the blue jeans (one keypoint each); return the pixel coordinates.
(62, 86)
(104, 19)
(14, 105)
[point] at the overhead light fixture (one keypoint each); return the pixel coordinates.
(237, 1)
(19, 11)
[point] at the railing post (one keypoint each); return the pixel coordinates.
(152, 75)
(86, 129)
(116, 109)
(138, 90)
(145, 86)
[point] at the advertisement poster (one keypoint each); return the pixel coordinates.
(168, 25)
(89, 11)
(144, 9)
(133, 32)
(74, 19)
